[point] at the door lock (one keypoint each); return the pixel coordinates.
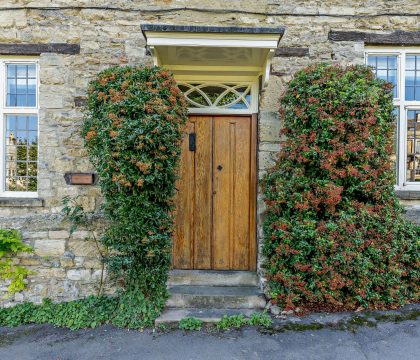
(220, 167)
(192, 142)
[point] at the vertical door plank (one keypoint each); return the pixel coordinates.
(182, 250)
(223, 182)
(231, 214)
(203, 193)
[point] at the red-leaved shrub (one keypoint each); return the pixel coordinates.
(335, 234)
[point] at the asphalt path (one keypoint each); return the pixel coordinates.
(387, 340)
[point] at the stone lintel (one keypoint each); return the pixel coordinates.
(291, 52)
(37, 49)
(397, 37)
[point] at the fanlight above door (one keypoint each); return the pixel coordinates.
(217, 96)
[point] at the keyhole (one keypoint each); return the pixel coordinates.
(220, 167)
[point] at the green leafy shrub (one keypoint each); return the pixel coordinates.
(128, 310)
(133, 131)
(335, 235)
(191, 324)
(11, 244)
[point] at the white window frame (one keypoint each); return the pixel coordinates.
(4, 110)
(404, 106)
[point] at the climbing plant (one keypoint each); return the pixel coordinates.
(78, 217)
(335, 234)
(133, 130)
(10, 244)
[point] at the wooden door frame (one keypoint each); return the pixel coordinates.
(253, 192)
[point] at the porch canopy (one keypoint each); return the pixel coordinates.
(214, 52)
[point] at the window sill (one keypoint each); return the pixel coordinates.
(21, 202)
(408, 194)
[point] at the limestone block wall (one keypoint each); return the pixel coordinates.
(109, 34)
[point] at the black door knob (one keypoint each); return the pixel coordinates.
(220, 167)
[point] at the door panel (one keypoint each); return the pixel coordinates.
(215, 204)
(201, 217)
(182, 252)
(231, 215)
(192, 237)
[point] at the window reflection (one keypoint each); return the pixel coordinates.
(412, 77)
(413, 145)
(21, 152)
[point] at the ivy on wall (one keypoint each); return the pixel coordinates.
(335, 235)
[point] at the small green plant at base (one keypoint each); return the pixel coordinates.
(260, 319)
(191, 323)
(232, 322)
(11, 244)
(126, 310)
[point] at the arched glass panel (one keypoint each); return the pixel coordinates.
(217, 96)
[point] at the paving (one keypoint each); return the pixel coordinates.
(386, 340)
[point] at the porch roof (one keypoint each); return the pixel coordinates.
(212, 29)
(213, 50)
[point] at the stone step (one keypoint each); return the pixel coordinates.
(218, 297)
(212, 278)
(173, 316)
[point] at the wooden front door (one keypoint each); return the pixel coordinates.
(215, 204)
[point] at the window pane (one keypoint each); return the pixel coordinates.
(21, 71)
(392, 62)
(409, 92)
(410, 62)
(412, 77)
(372, 61)
(31, 100)
(11, 71)
(382, 74)
(409, 78)
(31, 86)
(413, 146)
(32, 71)
(32, 123)
(385, 68)
(382, 62)
(32, 184)
(21, 81)
(21, 152)
(32, 169)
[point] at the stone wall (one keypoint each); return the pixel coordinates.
(109, 33)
